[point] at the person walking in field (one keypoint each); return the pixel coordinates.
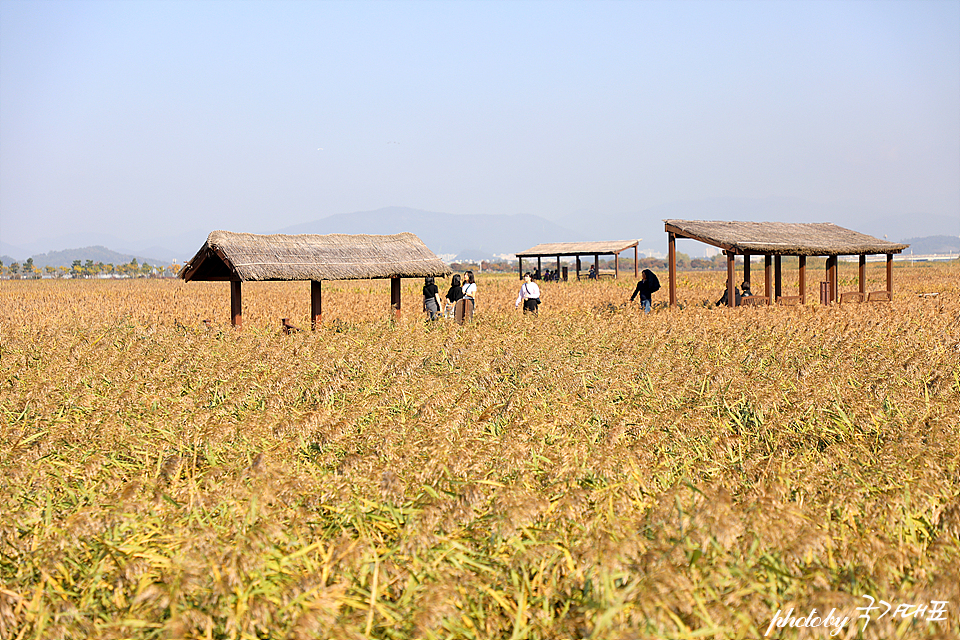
(529, 295)
(645, 288)
(454, 293)
(431, 298)
(465, 307)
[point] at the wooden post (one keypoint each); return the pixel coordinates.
(558, 268)
(731, 274)
(803, 279)
(539, 270)
(777, 278)
(827, 277)
(890, 275)
(236, 305)
(863, 273)
(746, 269)
(831, 268)
(671, 266)
(616, 266)
(578, 267)
(835, 280)
(636, 258)
(596, 265)
(521, 267)
(768, 278)
(316, 307)
(395, 296)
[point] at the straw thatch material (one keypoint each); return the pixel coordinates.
(578, 248)
(782, 238)
(249, 256)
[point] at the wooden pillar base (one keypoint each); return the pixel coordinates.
(236, 304)
(316, 304)
(395, 297)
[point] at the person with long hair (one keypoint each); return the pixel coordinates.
(645, 288)
(467, 305)
(431, 298)
(529, 295)
(454, 293)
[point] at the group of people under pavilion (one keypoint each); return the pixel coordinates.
(773, 241)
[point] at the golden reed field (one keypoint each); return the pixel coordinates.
(591, 473)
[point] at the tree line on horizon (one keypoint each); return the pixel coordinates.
(87, 269)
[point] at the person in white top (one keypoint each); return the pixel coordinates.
(470, 287)
(463, 311)
(529, 295)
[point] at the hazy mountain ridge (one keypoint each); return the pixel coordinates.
(490, 234)
(933, 245)
(98, 253)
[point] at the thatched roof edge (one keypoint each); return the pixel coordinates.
(603, 247)
(251, 257)
(782, 238)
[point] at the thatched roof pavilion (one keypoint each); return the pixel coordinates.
(776, 239)
(242, 257)
(595, 249)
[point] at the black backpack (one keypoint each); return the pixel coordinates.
(653, 281)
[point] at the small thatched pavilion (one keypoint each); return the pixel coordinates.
(242, 257)
(578, 249)
(776, 239)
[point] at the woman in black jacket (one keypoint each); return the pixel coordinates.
(645, 288)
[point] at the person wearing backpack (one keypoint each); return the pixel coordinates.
(645, 288)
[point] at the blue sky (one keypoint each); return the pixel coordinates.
(138, 118)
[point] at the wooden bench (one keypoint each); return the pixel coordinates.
(851, 296)
(789, 300)
(879, 296)
(754, 301)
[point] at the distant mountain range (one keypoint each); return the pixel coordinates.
(66, 258)
(450, 235)
(933, 245)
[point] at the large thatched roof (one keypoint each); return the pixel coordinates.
(249, 256)
(578, 248)
(782, 238)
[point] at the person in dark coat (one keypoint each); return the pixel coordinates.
(645, 288)
(431, 298)
(737, 296)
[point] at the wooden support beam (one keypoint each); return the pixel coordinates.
(596, 265)
(316, 305)
(863, 273)
(731, 274)
(890, 275)
(395, 296)
(671, 266)
(520, 269)
(636, 257)
(768, 278)
(803, 279)
(616, 266)
(777, 278)
(835, 280)
(831, 269)
(539, 270)
(236, 305)
(826, 276)
(746, 269)
(558, 268)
